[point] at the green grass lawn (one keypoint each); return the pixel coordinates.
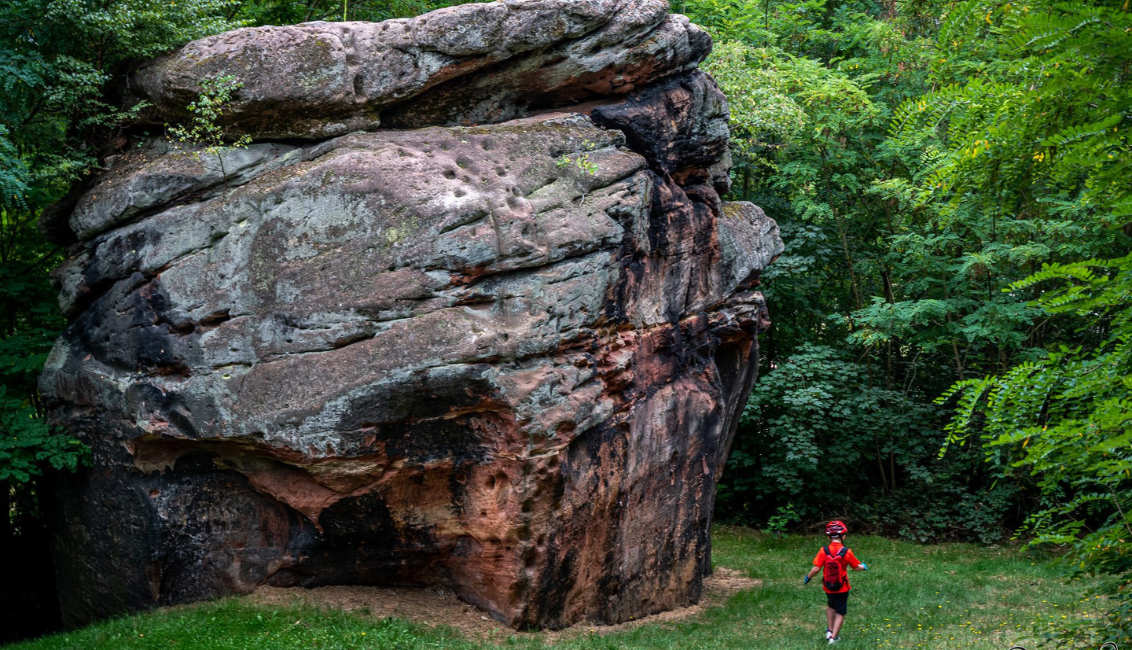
(940, 596)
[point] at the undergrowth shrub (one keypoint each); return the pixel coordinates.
(817, 435)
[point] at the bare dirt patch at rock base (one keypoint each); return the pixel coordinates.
(434, 606)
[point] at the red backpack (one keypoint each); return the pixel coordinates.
(833, 575)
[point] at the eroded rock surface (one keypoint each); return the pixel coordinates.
(505, 357)
(467, 64)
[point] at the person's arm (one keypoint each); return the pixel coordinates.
(819, 560)
(855, 563)
(810, 576)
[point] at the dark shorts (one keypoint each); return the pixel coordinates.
(838, 602)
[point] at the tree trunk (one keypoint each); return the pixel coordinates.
(892, 468)
(6, 518)
(880, 465)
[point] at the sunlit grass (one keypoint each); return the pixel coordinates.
(945, 596)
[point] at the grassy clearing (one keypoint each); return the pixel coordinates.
(947, 596)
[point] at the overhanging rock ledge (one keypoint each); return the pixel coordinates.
(468, 312)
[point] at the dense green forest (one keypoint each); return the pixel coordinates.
(950, 357)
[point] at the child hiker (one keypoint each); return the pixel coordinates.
(831, 561)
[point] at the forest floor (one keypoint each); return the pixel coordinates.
(430, 607)
(942, 596)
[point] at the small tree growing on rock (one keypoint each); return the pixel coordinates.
(204, 130)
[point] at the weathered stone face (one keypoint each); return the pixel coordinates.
(468, 64)
(507, 358)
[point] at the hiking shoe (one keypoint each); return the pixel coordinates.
(834, 639)
(828, 634)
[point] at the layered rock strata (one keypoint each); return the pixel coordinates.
(501, 348)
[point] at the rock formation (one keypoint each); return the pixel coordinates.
(469, 312)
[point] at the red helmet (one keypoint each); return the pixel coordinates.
(836, 528)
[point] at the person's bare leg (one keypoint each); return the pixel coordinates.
(835, 626)
(829, 614)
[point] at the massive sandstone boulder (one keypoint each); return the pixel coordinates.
(502, 348)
